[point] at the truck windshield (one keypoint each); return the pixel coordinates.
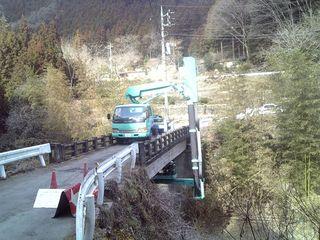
(130, 114)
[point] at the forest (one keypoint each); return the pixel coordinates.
(46, 96)
(100, 21)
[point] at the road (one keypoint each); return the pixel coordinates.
(18, 218)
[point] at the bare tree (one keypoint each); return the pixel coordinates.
(253, 22)
(126, 52)
(230, 18)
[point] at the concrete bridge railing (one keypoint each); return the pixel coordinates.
(62, 152)
(149, 151)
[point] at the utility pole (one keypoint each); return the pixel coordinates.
(233, 53)
(163, 48)
(164, 24)
(110, 56)
(221, 50)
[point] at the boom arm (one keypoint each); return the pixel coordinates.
(153, 90)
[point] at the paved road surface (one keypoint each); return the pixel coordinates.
(18, 219)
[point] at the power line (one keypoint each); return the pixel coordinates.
(218, 38)
(188, 6)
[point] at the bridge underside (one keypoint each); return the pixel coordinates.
(153, 168)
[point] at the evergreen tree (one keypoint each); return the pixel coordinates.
(297, 55)
(44, 48)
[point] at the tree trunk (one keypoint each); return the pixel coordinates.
(246, 47)
(248, 54)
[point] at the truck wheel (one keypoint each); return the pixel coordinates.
(119, 141)
(155, 132)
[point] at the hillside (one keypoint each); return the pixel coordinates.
(101, 20)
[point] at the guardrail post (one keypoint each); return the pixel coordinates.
(119, 169)
(43, 163)
(90, 218)
(52, 155)
(95, 143)
(63, 153)
(103, 141)
(161, 143)
(166, 141)
(57, 153)
(171, 137)
(75, 149)
(150, 150)
(2, 172)
(133, 158)
(142, 154)
(85, 146)
(100, 188)
(156, 146)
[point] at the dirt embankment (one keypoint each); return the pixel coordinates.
(140, 210)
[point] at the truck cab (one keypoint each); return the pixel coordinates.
(132, 121)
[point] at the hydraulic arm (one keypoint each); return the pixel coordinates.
(153, 90)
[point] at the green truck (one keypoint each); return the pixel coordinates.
(137, 121)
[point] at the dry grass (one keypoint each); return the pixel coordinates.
(23, 166)
(141, 211)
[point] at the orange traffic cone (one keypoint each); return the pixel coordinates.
(95, 193)
(54, 184)
(85, 169)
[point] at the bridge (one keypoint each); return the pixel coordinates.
(106, 160)
(18, 220)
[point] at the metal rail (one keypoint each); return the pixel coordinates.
(22, 154)
(85, 216)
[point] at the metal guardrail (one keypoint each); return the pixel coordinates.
(85, 216)
(22, 154)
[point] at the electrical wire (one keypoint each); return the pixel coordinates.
(218, 38)
(188, 6)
